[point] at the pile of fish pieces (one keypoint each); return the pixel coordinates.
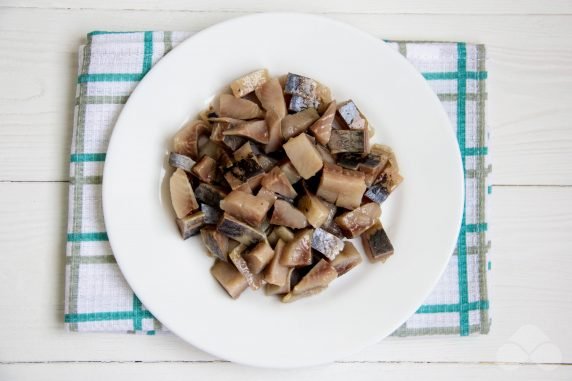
(275, 176)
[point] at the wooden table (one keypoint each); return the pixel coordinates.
(530, 114)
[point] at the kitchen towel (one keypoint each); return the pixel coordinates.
(97, 298)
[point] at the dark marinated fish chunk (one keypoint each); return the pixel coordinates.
(349, 160)
(215, 242)
(350, 116)
(376, 243)
(377, 192)
(326, 243)
(299, 103)
(229, 278)
(348, 141)
(181, 161)
(210, 194)
(243, 171)
(191, 224)
(300, 85)
(347, 259)
(212, 214)
(239, 231)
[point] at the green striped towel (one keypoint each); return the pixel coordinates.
(110, 66)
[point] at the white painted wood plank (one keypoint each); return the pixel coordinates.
(326, 6)
(227, 371)
(532, 269)
(530, 77)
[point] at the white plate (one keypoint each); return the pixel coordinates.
(171, 276)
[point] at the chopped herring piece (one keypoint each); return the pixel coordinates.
(215, 242)
(290, 172)
(267, 195)
(245, 170)
(319, 276)
(389, 176)
(314, 209)
(255, 130)
(271, 97)
(291, 297)
(284, 233)
(227, 105)
(210, 194)
(186, 141)
(295, 124)
(246, 207)
(205, 169)
(298, 252)
(347, 259)
(191, 224)
(303, 155)
(266, 162)
(325, 154)
(181, 161)
(324, 96)
(372, 164)
(245, 187)
(254, 280)
(302, 88)
(351, 117)
(212, 214)
(217, 130)
(233, 142)
(376, 243)
(278, 182)
(348, 141)
(341, 186)
(272, 289)
(182, 195)
(299, 103)
(275, 273)
(249, 83)
(377, 192)
(259, 257)
(357, 221)
(322, 128)
(326, 243)
(229, 278)
(349, 160)
(238, 230)
(274, 123)
(248, 149)
(287, 215)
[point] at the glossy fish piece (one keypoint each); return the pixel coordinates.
(258, 257)
(287, 215)
(355, 141)
(350, 116)
(300, 85)
(183, 162)
(274, 123)
(249, 82)
(229, 278)
(326, 243)
(246, 207)
(372, 165)
(210, 194)
(182, 194)
(227, 105)
(212, 214)
(239, 231)
(322, 128)
(277, 182)
(349, 160)
(298, 252)
(290, 172)
(266, 194)
(314, 209)
(254, 281)
(205, 169)
(319, 276)
(299, 103)
(357, 221)
(266, 162)
(191, 224)
(347, 259)
(341, 186)
(215, 242)
(245, 150)
(186, 141)
(295, 124)
(303, 155)
(376, 243)
(272, 289)
(377, 192)
(284, 233)
(275, 273)
(271, 97)
(242, 171)
(255, 130)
